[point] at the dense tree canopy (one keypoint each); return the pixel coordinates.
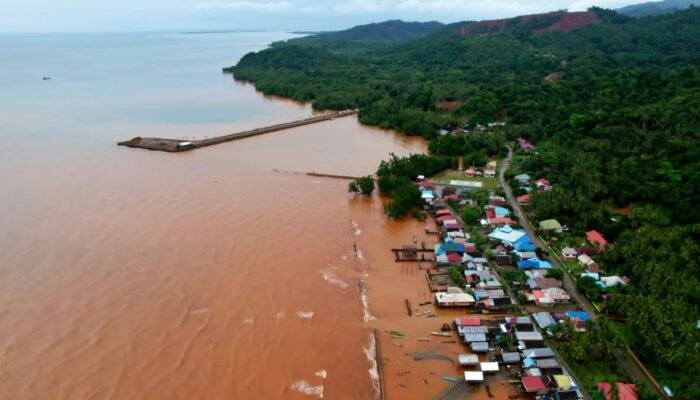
(616, 125)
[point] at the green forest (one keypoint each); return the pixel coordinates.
(616, 124)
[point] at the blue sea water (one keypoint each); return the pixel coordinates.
(105, 87)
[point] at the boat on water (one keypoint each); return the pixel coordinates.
(445, 334)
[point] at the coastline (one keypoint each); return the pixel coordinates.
(388, 284)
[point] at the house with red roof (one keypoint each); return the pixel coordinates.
(543, 183)
(524, 199)
(596, 238)
(525, 145)
(470, 172)
(534, 384)
(500, 221)
(468, 321)
(490, 213)
(625, 391)
(497, 201)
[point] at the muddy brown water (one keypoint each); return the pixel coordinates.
(222, 273)
(133, 274)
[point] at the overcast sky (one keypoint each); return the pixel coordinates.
(283, 15)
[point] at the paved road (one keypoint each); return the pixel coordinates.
(631, 368)
(568, 282)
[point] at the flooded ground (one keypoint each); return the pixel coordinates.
(219, 273)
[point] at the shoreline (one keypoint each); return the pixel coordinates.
(410, 368)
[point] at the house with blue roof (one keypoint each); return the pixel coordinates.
(524, 244)
(534, 263)
(582, 315)
(507, 235)
(501, 212)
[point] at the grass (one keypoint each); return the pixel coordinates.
(446, 176)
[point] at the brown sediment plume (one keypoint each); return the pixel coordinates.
(124, 282)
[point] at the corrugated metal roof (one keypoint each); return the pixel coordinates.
(547, 363)
(479, 346)
(511, 357)
(474, 337)
(540, 352)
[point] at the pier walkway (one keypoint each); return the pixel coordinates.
(175, 145)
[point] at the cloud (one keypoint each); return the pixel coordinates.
(363, 6)
(244, 5)
(582, 5)
(473, 6)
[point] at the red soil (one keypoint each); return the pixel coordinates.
(563, 22)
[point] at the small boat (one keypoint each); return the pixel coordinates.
(425, 303)
(445, 334)
(423, 312)
(424, 339)
(449, 379)
(46, 78)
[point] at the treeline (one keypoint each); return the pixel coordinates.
(662, 303)
(616, 126)
(397, 178)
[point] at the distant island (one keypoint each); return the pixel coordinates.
(601, 107)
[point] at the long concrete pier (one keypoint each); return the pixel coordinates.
(175, 146)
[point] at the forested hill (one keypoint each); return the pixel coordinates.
(612, 106)
(657, 7)
(368, 36)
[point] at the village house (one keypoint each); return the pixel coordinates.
(625, 391)
(495, 304)
(549, 297)
(490, 367)
(569, 253)
(495, 222)
(534, 384)
(468, 360)
(544, 320)
(497, 201)
(578, 319)
(542, 283)
(551, 225)
(543, 184)
(523, 179)
(597, 239)
(507, 235)
(454, 297)
(525, 145)
(534, 263)
(524, 199)
(526, 255)
(614, 280)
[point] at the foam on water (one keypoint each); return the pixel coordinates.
(247, 321)
(305, 387)
(357, 231)
(280, 314)
(366, 315)
(321, 373)
(331, 278)
(371, 352)
(305, 314)
(199, 311)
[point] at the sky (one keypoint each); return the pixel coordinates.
(272, 15)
